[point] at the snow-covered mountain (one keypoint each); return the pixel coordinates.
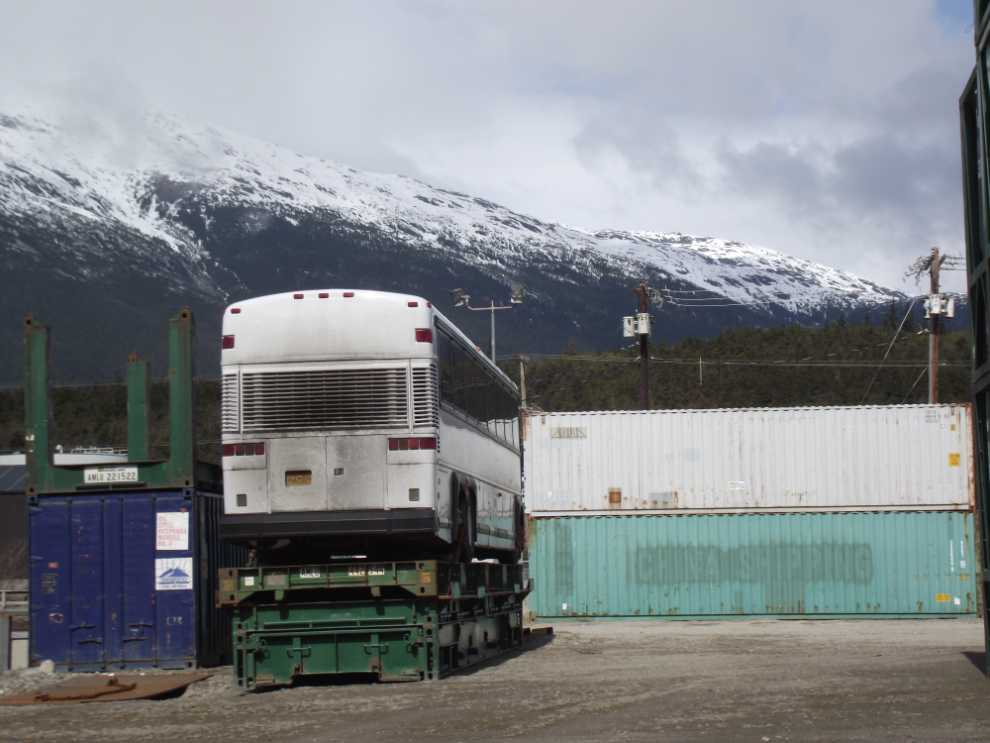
(108, 224)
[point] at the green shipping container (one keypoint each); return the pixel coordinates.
(879, 564)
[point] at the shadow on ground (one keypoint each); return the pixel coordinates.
(977, 659)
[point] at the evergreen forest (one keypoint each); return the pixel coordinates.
(840, 363)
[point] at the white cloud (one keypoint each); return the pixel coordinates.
(824, 130)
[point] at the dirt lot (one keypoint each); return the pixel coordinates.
(909, 680)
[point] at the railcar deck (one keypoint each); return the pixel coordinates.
(400, 621)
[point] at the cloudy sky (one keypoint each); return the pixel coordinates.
(826, 130)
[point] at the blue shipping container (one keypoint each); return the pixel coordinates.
(882, 564)
(128, 580)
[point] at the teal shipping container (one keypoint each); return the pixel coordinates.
(877, 564)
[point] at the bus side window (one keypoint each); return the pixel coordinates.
(513, 421)
(446, 368)
(476, 400)
(503, 406)
(492, 408)
(459, 369)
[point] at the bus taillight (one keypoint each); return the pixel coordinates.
(427, 442)
(243, 450)
(424, 335)
(228, 342)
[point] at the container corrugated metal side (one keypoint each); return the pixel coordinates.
(128, 580)
(13, 522)
(918, 563)
(761, 459)
(13, 536)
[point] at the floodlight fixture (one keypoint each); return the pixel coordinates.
(516, 295)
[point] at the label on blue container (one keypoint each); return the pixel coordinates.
(173, 573)
(172, 532)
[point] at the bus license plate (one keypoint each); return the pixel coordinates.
(299, 477)
(102, 475)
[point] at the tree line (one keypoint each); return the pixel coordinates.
(835, 364)
(793, 365)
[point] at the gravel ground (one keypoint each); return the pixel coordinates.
(865, 680)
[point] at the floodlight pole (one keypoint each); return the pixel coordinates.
(491, 309)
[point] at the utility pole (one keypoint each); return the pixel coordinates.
(644, 352)
(935, 264)
(936, 305)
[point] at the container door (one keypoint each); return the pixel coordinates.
(86, 620)
(175, 633)
(50, 588)
(113, 580)
(135, 555)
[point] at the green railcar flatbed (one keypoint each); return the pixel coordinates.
(402, 621)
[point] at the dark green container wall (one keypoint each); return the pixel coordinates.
(975, 129)
(827, 564)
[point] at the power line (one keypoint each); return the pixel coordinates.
(809, 362)
(906, 315)
(914, 385)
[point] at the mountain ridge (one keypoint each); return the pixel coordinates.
(134, 218)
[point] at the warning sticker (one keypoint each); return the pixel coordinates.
(173, 573)
(943, 598)
(953, 460)
(172, 531)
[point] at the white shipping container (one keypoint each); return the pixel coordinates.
(901, 457)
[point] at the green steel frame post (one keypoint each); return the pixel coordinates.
(182, 398)
(37, 405)
(138, 448)
(179, 471)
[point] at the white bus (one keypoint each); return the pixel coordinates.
(365, 423)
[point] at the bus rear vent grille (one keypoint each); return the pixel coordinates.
(338, 398)
(228, 406)
(425, 397)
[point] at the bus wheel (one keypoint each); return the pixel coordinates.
(519, 548)
(466, 529)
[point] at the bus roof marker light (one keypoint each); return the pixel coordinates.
(228, 342)
(235, 310)
(412, 304)
(348, 294)
(324, 295)
(297, 296)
